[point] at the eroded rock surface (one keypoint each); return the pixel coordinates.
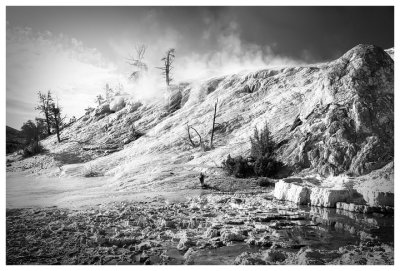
(347, 122)
(198, 231)
(372, 192)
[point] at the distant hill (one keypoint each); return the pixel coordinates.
(14, 139)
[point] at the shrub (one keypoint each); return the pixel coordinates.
(238, 166)
(32, 149)
(90, 172)
(267, 166)
(262, 152)
(229, 165)
(265, 182)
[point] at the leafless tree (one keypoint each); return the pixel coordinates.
(44, 106)
(137, 62)
(201, 143)
(167, 65)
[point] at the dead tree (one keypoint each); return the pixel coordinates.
(190, 138)
(44, 106)
(167, 66)
(201, 144)
(138, 62)
(213, 124)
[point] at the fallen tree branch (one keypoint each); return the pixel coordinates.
(190, 138)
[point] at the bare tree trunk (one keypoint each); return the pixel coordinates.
(167, 69)
(167, 75)
(48, 123)
(46, 110)
(167, 65)
(213, 124)
(57, 120)
(57, 128)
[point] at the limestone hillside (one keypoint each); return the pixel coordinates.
(329, 119)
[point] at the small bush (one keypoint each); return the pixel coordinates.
(90, 172)
(238, 166)
(32, 149)
(265, 182)
(267, 166)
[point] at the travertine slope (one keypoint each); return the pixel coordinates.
(331, 118)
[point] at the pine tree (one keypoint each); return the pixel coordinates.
(44, 106)
(261, 143)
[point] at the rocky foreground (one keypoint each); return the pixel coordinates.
(211, 229)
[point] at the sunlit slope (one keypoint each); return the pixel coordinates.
(332, 118)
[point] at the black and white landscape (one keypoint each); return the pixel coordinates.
(200, 135)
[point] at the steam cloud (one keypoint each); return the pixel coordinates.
(232, 56)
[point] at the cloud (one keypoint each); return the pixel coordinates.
(44, 61)
(230, 55)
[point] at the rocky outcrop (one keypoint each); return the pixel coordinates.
(377, 188)
(326, 197)
(117, 104)
(298, 191)
(370, 193)
(347, 124)
(292, 190)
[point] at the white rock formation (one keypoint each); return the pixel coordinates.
(117, 103)
(363, 194)
(328, 197)
(292, 191)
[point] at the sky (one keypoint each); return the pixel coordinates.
(75, 51)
